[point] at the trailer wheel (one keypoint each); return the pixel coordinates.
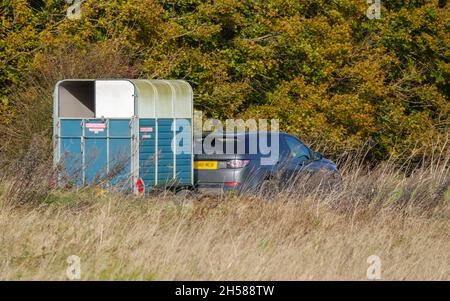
(185, 197)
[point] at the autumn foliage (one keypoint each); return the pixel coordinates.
(326, 71)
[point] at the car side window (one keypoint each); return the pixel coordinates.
(297, 149)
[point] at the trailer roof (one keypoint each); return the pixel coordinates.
(164, 98)
(118, 98)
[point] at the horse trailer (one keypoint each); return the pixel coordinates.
(133, 135)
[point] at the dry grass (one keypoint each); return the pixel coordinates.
(405, 220)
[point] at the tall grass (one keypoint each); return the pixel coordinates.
(401, 214)
(32, 100)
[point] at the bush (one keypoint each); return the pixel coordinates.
(326, 71)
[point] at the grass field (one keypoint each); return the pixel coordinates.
(402, 218)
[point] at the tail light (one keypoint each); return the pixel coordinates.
(232, 183)
(237, 163)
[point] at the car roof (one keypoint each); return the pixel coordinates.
(240, 134)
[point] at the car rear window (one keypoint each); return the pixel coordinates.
(241, 145)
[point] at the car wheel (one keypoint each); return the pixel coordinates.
(326, 180)
(185, 197)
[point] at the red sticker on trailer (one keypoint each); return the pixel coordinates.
(146, 130)
(96, 127)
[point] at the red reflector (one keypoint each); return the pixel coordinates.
(140, 185)
(231, 183)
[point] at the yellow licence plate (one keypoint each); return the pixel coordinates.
(205, 164)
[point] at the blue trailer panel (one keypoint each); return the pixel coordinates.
(71, 151)
(166, 166)
(72, 158)
(119, 152)
(100, 139)
(147, 151)
(95, 159)
(183, 142)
